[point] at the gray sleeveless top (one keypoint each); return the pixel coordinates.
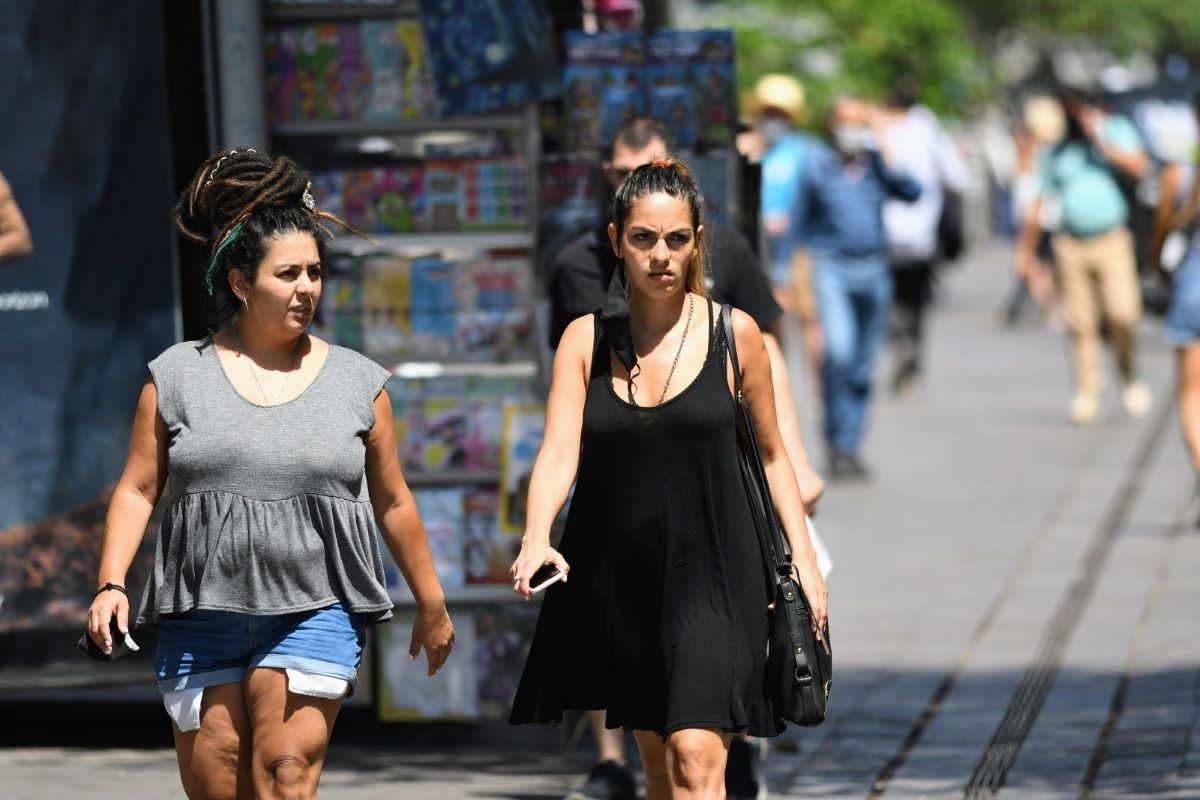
(268, 505)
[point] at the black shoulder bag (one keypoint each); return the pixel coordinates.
(799, 668)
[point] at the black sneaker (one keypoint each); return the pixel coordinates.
(743, 771)
(608, 780)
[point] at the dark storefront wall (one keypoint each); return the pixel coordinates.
(85, 144)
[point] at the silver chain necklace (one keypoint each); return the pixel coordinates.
(253, 374)
(686, 326)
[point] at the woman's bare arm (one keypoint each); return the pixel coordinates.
(558, 460)
(129, 511)
(812, 485)
(760, 394)
(404, 534)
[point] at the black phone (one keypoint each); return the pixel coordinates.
(546, 575)
(121, 647)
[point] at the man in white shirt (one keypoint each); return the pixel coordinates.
(920, 147)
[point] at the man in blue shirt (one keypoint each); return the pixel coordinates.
(1093, 250)
(840, 220)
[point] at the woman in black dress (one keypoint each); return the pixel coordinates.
(663, 621)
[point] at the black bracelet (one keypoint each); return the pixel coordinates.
(106, 587)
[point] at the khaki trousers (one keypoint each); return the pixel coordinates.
(1098, 281)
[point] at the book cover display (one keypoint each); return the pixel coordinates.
(442, 514)
(683, 78)
(476, 194)
(600, 65)
(407, 693)
(691, 85)
(524, 427)
(360, 70)
(490, 54)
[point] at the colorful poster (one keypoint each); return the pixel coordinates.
(407, 693)
(502, 636)
(442, 515)
(597, 63)
(701, 63)
(488, 551)
(490, 54)
(523, 430)
(432, 308)
(387, 299)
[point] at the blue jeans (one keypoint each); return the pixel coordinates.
(854, 294)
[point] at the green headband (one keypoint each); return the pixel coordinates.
(212, 265)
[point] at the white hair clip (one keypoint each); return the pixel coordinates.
(307, 198)
(220, 161)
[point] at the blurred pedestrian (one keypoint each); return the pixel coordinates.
(1042, 126)
(281, 459)
(840, 220)
(15, 239)
(921, 148)
(664, 619)
(1093, 251)
(579, 282)
(1179, 210)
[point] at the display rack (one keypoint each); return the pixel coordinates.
(451, 394)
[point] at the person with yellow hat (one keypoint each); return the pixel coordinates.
(777, 105)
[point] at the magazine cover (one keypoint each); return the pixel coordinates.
(282, 77)
(432, 308)
(398, 199)
(495, 319)
(488, 551)
(595, 63)
(387, 299)
(618, 105)
(407, 693)
(715, 174)
(442, 513)
(502, 635)
(523, 430)
(329, 191)
(701, 62)
(445, 422)
(490, 54)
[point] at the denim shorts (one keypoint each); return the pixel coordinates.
(201, 648)
(1183, 315)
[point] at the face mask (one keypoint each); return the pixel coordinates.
(774, 129)
(853, 139)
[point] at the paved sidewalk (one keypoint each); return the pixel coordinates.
(1014, 606)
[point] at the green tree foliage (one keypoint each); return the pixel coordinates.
(867, 45)
(946, 45)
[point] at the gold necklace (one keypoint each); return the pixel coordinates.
(253, 374)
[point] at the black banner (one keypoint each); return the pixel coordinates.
(85, 146)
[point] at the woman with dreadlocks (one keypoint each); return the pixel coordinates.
(281, 457)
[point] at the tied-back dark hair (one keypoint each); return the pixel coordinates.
(672, 177)
(238, 201)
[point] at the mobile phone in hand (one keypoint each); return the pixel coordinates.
(546, 576)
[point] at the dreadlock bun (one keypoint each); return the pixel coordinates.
(230, 186)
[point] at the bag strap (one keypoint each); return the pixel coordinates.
(731, 345)
(776, 548)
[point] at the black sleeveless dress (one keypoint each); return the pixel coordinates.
(663, 622)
